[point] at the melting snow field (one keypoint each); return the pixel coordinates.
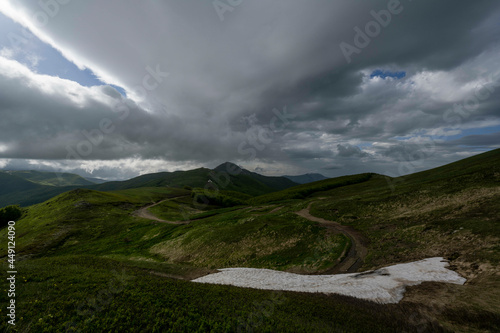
(385, 285)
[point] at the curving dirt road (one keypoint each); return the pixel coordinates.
(146, 214)
(357, 253)
(349, 264)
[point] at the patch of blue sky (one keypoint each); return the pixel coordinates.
(478, 149)
(386, 73)
(41, 57)
(463, 133)
(404, 138)
(474, 131)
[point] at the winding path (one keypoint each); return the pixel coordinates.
(357, 253)
(352, 261)
(146, 214)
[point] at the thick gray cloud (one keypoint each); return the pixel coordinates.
(347, 150)
(225, 78)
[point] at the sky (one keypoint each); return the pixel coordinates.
(120, 88)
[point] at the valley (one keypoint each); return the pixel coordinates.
(98, 256)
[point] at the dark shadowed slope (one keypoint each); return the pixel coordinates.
(307, 178)
(52, 178)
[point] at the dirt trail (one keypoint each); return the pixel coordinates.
(252, 209)
(275, 209)
(146, 214)
(354, 259)
(351, 262)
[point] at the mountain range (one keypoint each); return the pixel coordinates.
(31, 187)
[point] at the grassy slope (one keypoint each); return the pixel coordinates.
(95, 180)
(451, 211)
(52, 178)
(459, 200)
(74, 244)
(69, 244)
(99, 223)
(18, 191)
(241, 238)
(14, 189)
(13, 183)
(274, 183)
(305, 190)
(89, 294)
(31, 187)
(307, 178)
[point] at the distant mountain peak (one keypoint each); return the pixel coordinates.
(229, 167)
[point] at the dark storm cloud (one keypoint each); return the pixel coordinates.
(332, 167)
(226, 78)
(307, 153)
(347, 150)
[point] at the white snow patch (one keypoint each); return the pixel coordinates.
(385, 285)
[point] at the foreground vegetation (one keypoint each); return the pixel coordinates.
(89, 294)
(86, 262)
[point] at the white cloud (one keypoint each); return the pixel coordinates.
(63, 90)
(266, 56)
(6, 52)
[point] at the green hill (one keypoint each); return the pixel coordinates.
(30, 187)
(12, 183)
(306, 178)
(88, 261)
(245, 181)
(197, 177)
(480, 169)
(71, 243)
(271, 183)
(305, 190)
(95, 180)
(17, 190)
(51, 178)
